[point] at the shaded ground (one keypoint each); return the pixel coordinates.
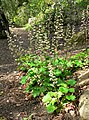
(7, 61)
(14, 103)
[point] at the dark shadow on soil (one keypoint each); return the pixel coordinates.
(11, 110)
(7, 61)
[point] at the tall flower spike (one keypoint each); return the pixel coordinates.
(59, 31)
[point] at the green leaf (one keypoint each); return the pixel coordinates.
(42, 89)
(27, 89)
(59, 93)
(88, 50)
(31, 64)
(51, 108)
(52, 94)
(36, 92)
(24, 79)
(70, 97)
(42, 69)
(66, 72)
(63, 89)
(31, 72)
(78, 63)
(23, 68)
(53, 101)
(59, 81)
(69, 64)
(71, 82)
(72, 90)
(56, 62)
(57, 72)
(46, 98)
(63, 84)
(25, 118)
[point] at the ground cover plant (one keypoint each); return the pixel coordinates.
(51, 77)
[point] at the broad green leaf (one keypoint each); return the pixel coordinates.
(59, 93)
(27, 89)
(25, 118)
(63, 84)
(71, 82)
(42, 69)
(63, 89)
(67, 72)
(31, 64)
(70, 97)
(31, 72)
(59, 81)
(51, 108)
(24, 79)
(78, 63)
(36, 92)
(57, 72)
(69, 64)
(53, 101)
(72, 90)
(23, 68)
(46, 98)
(42, 89)
(56, 62)
(52, 94)
(88, 50)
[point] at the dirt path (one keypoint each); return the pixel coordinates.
(7, 61)
(14, 103)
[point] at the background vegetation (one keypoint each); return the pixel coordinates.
(19, 11)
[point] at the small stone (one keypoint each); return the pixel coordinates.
(7, 101)
(18, 105)
(11, 113)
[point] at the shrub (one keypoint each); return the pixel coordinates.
(52, 77)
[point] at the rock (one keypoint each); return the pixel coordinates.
(83, 78)
(83, 83)
(84, 106)
(85, 75)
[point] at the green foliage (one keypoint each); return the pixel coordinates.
(10, 8)
(51, 76)
(21, 18)
(21, 10)
(57, 100)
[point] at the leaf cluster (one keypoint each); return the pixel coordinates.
(52, 77)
